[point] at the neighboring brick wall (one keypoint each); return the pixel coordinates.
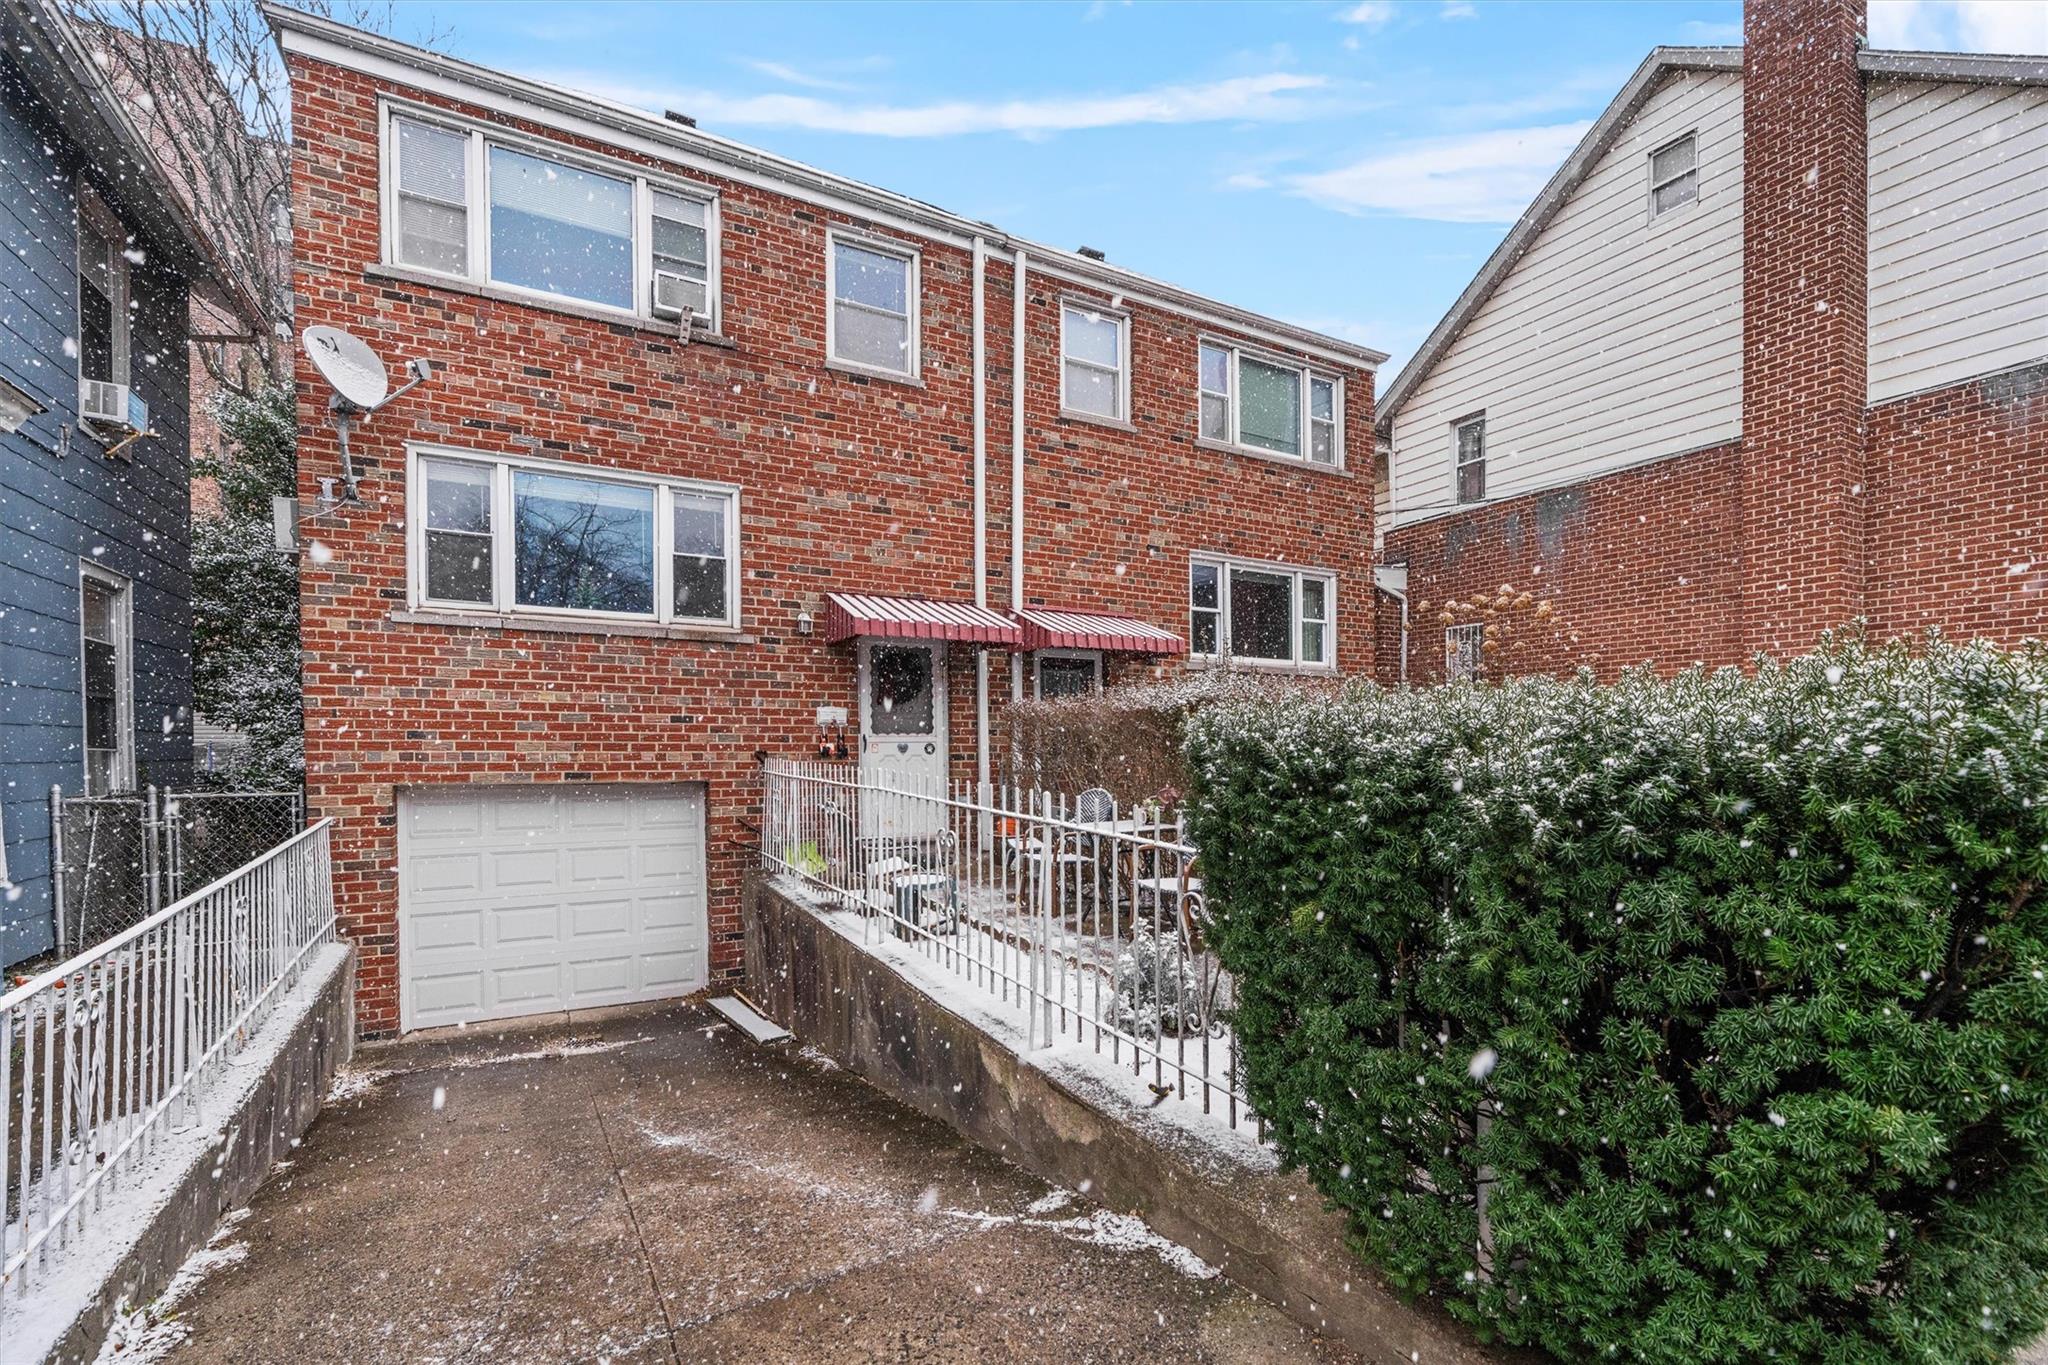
(847, 483)
(1804, 350)
(1959, 510)
(1621, 592)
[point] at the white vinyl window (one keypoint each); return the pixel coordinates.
(103, 293)
(1468, 456)
(536, 537)
(1269, 405)
(1674, 176)
(1261, 614)
(872, 311)
(498, 209)
(1463, 646)
(107, 676)
(1094, 362)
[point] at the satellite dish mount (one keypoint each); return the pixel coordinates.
(360, 386)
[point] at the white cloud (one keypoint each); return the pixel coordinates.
(1457, 9)
(1371, 13)
(2010, 26)
(1487, 177)
(789, 75)
(1273, 97)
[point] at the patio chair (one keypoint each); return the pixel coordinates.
(1181, 895)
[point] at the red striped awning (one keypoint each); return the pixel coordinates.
(848, 614)
(1045, 629)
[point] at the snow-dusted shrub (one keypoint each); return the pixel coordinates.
(1689, 1020)
(1158, 991)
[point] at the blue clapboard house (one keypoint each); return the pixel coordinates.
(95, 474)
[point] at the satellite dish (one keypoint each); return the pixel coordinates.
(347, 363)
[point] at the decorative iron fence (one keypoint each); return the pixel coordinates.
(1086, 920)
(101, 1056)
(115, 860)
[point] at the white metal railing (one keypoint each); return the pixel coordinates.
(103, 1056)
(1088, 921)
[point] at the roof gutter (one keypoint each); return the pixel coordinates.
(306, 34)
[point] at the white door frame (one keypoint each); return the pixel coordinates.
(921, 758)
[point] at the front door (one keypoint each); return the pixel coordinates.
(903, 730)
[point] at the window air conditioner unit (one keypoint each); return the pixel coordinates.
(673, 294)
(102, 400)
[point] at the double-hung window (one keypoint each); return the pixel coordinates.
(1674, 176)
(872, 308)
(517, 214)
(1265, 614)
(1094, 362)
(1463, 648)
(1468, 456)
(517, 536)
(103, 307)
(1269, 405)
(107, 665)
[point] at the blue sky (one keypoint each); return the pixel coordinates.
(1346, 166)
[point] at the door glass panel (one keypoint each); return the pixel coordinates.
(900, 698)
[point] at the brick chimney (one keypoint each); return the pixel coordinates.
(1804, 351)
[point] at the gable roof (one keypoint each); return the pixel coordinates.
(57, 64)
(1662, 62)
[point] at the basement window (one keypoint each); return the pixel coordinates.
(1674, 176)
(1463, 646)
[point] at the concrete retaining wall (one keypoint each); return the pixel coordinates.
(1268, 1231)
(256, 1106)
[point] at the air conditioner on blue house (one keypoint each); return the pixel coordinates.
(103, 401)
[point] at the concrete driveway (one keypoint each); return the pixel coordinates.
(657, 1187)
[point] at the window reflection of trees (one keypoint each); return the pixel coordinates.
(583, 555)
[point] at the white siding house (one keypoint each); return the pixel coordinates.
(1958, 232)
(1616, 336)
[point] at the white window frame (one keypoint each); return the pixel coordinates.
(122, 776)
(504, 601)
(1464, 652)
(93, 212)
(1234, 399)
(1225, 565)
(1458, 462)
(1092, 656)
(913, 298)
(1122, 319)
(477, 210)
(1650, 175)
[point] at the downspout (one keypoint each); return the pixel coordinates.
(1017, 461)
(1392, 579)
(981, 766)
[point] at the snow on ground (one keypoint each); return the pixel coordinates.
(352, 1082)
(1110, 1231)
(144, 1335)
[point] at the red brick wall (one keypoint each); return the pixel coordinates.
(847, 483)
(1959, 510)
(1804, 266)
(1638, 566)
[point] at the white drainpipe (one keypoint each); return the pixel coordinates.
(1017, 464)
(981, 768)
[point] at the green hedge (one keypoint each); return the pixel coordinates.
(1727, 990)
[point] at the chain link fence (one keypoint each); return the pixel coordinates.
(118, 859)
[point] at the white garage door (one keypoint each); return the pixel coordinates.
(519, 900)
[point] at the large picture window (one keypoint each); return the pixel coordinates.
(512, 536)
(1268, 405)
(509, 212)
(1260, 614)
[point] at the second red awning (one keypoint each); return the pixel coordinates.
(1048, 629)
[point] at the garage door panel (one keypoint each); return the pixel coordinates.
(441, 874)
(519, 900)
(521, 869)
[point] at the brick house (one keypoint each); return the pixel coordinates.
(1765, 356)
(718, 450)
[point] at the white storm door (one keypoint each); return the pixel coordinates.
(903, 730)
